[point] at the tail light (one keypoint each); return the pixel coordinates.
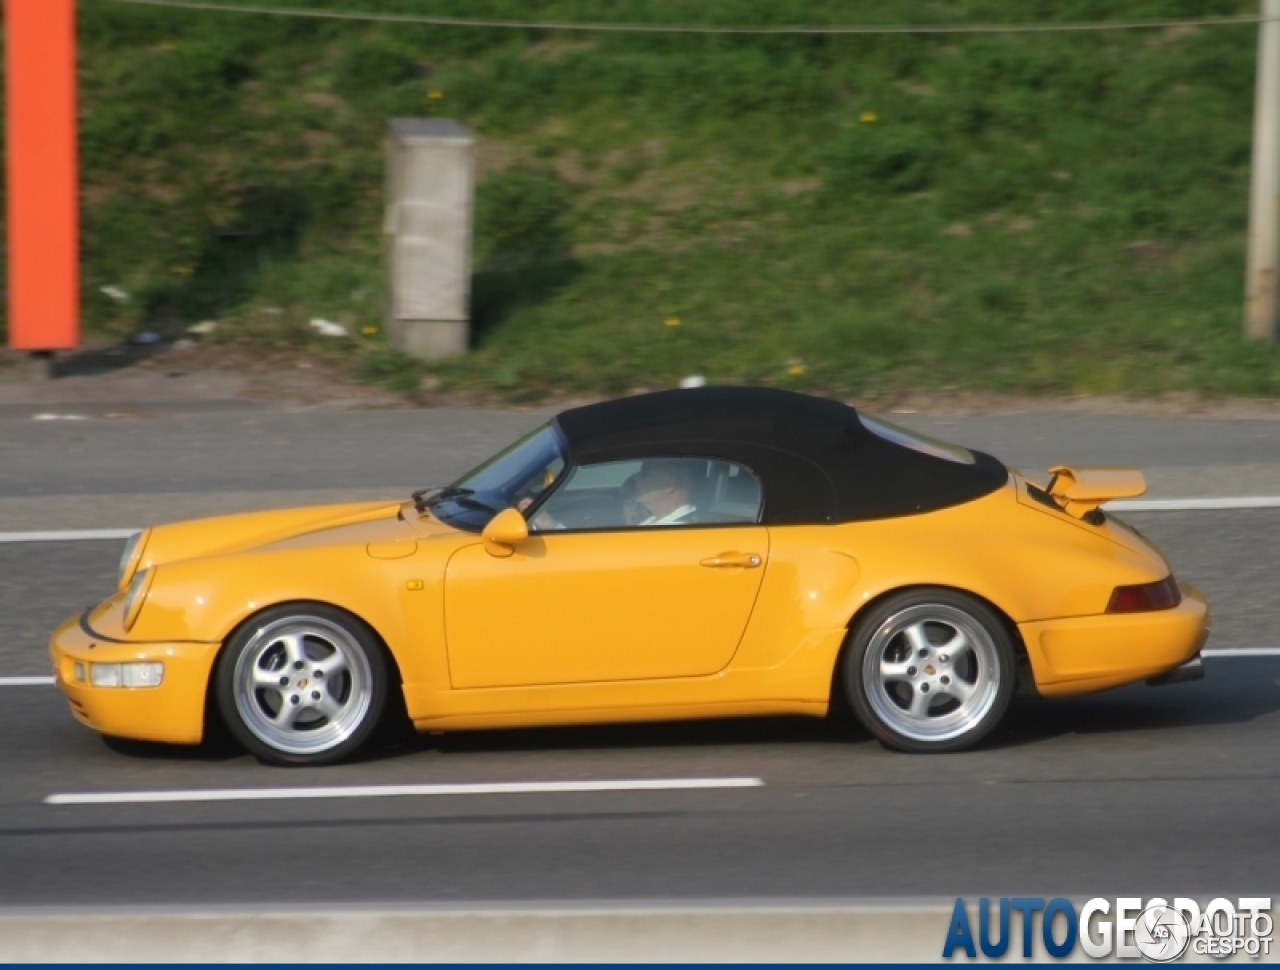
(1163, 595)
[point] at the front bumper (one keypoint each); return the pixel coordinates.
(172, 712)
(1080, 654)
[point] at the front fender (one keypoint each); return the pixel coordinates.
(205, 600)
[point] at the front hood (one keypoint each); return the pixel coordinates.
(356, 522)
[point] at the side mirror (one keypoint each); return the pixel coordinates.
(505, 531)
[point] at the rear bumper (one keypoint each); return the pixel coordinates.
(1080, 654)
(172, 712)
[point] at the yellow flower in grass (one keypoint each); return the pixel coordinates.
(672, 321)
(868, 117)
(435, 95)
(369, 330)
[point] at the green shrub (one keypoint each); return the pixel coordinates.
(367, 67)
(880, 158)
(520, 216)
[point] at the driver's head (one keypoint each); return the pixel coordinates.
(662, 486)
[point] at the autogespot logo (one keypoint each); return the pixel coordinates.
(1162, 934)
(1127, 928)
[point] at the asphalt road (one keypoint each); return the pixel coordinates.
(1142, 791)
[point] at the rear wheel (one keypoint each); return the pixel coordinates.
(302, 684)
(930, 670)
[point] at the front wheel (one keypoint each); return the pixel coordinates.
(302, 684)
(930, 670)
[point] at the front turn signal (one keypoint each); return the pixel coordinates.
(1146, 598)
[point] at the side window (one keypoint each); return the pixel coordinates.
(653, 492)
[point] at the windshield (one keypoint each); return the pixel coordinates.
(513, 478)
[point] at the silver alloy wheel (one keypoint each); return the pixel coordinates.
(302, 685)
(931, 672)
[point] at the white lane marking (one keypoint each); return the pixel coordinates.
(1212, 652)
(71, 535)
(1124, 505)
(1195, 504)
(384, 791)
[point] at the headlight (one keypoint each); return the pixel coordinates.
(136, 596)
(132, 555)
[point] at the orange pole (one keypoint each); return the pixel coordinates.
(43, 224)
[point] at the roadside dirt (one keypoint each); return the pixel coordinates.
(186, 373)
(193, 374)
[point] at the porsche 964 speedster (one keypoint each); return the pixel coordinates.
(682, 554)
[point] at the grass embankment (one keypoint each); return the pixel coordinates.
(1051, 214)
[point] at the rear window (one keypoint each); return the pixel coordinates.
(916, 442)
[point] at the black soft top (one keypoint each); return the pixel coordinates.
(816, 460)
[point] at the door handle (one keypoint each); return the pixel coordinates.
(733, 560)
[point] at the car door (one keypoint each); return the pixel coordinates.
(595, 596)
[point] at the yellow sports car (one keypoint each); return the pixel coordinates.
(683, 554)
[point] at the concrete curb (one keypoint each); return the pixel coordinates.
(800, 931)
(649, 933)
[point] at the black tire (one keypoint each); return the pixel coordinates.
(302, 684)
(929, 670)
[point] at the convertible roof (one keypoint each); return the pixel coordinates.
(815, 458)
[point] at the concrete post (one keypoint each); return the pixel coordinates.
(427, 236)
(1264, 192)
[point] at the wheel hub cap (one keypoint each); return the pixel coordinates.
(302, 685)
(946, 696)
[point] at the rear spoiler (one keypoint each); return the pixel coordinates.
(1081, 490)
